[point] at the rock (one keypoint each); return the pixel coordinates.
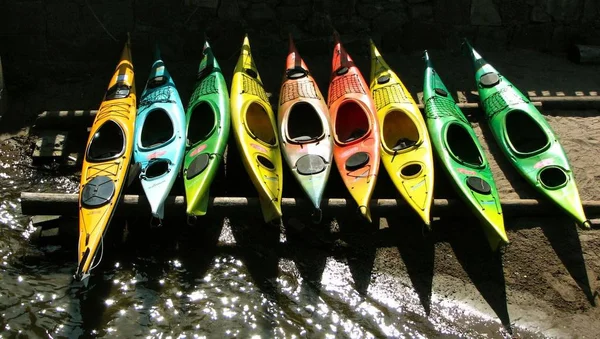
(368, 10)
(491, 38)
(484, 13)
(538, 14)
(230, 11)
(296, 2)
(421, 12)
(23, 17)
(350, 24)
(59, 19)
(339, 7)
(416, 1)
(260, 11)
(319, 24)
(564, 10)
(293, 13)
(389, 21)
(514, 11)
(418, 36)
(534, 36)
(212, 4)
(452, 12)
(591, 11)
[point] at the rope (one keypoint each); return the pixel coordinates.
(100, 22)
(101, 253)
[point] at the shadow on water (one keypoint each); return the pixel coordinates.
(354, 243)
(483, 266)
(564, 239)
(416, 247)
(259, 242)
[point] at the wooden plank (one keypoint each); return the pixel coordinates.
(34, 203)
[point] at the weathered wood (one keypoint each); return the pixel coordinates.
(51, 119)
(33, 203)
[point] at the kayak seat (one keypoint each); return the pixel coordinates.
(197, 166)
(357, 160)
(490, 79)
(304, 124)
(303, 139)
(403, 143)
(97, 192)
(310, 164)
(479, 185)
(356, 134)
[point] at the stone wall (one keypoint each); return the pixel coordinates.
(72, 32)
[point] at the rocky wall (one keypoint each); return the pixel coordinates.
(77, 32)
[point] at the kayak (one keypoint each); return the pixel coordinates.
(355, 129)
(255, 133)
(208, 123)
(405, 145)
(303, 122)
(462, 156)
(159, 136)
(106, 162)
(526, 138)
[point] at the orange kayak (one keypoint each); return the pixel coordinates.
(355, 131)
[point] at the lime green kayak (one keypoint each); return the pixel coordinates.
(208, 121)
(462, 156)
(526, 138)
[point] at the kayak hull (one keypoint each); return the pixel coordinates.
(304, 128)
(355, 129)
(526, 139)
(462, 157)
(406, 150)
(208, 122)
(255, 133)
(159, 136)
(106, 163)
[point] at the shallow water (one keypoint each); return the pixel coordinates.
(221, 279)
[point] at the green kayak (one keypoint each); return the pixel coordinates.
(462, 156)
(526, 138)
(208, 122)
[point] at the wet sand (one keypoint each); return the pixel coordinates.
(544, 282)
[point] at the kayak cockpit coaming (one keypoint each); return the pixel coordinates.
(259, 125)
(108, 142)
(157, 131)
(462, 147)
(400, 133)
(553, 177)
(202, 124)
(524, 135)
(303, 124)
(156, 169)
(352, 122)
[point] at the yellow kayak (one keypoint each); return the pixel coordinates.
(255, 133)
(107, 159)
(406, 150)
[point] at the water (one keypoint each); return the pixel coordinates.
(176, 282)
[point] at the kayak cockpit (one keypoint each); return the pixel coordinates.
(259, 125)
(553, 177)
(107, 143)
(202, 124)
(351, 123)
(525, 136)
(156, 168)
(399, 132)
(304, 125)
(157, 129)
(462, 147)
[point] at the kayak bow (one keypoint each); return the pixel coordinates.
(208, 123)
(355, 128)
(106, 162)
(526, 138)
(159, 136)
(462, 156)
(405, 144)
(255, 133)
(303, 120)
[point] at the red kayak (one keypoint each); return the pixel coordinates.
(355, 129)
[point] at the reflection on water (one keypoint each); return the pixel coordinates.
(179, 288)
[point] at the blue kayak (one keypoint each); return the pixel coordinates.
(159, 136)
